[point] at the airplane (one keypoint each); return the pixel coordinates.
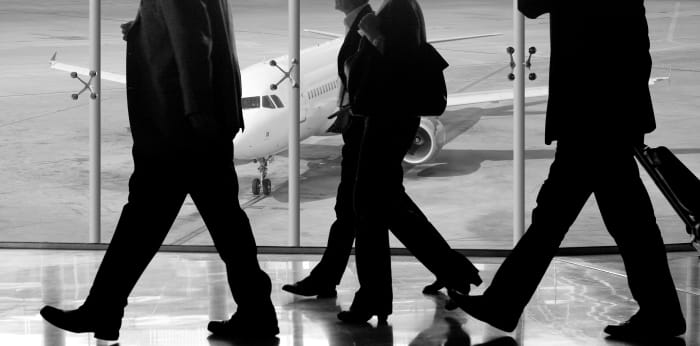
(266, 116)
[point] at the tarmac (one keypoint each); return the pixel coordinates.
(466, 191)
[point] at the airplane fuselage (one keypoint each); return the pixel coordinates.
(266, 112)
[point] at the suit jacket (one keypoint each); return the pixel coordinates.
(181, 60)
(403, 28)
(599, 70)
(350, 44)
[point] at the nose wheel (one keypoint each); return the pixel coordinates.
(263, 184)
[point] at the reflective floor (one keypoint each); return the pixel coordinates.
(180, 293)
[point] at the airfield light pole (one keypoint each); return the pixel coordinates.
(95, 159)
(518, 125)
(294, 147)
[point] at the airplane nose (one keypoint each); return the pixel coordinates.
(238, 144)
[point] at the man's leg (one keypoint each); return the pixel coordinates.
(413, 229)
(559, 202)
(329, 271)
(155, 198)
(214, 191)
(154, 201)
(629, 217)
(378, 191)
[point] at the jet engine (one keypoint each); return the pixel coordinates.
(430, 138)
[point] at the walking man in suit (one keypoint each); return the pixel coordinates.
(433, 251)
(595, 134)
(183, 91)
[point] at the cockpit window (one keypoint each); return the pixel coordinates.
(267, 102)
(277, 100)
(250, 102)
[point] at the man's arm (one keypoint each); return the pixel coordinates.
(534, 8)
(190, 34)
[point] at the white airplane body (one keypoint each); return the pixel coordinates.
(266, 112)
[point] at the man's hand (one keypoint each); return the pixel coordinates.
(125, 29)
(369, 26)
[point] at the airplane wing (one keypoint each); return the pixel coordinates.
(462, 99)
(439, 40)
(114, 77)
(460, 38)
(323, 33)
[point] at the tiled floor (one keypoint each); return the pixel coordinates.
(179, 293)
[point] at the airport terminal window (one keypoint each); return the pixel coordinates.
(464, 186)
(250, 102)
(267, 102)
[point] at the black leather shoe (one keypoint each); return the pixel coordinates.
(308, 288)
(461, 286)
(434, 288)
(245, 327)
(636, 329)
(484, 310)
(361, 317)
(83, 321)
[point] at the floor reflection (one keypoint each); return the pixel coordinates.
(180, 293)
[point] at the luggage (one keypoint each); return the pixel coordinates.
(678, 184)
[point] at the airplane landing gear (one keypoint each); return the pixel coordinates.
(262, 184)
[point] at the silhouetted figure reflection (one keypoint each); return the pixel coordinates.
(218, 340)
(412, 228)
(321, 314)
(447, 330)
(595, 124)
(52, 293)
(183, 92)
(446, 327)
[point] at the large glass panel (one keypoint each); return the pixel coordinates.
(462, 183)
(461, 175)
(44, 133)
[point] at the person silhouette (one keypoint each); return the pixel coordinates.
(183, 93)
(430, 248)
(392, 37)
(595, 135)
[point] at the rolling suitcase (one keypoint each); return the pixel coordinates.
(678, 184)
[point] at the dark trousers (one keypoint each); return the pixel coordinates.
(157, 189)
(381, 204)
(329, 271)
(610, 173)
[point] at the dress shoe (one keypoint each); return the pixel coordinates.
(83, 320)
(308, 288)
(245, 327)
(637, 329)
(361, 317)
(484, 310)
(434, 288)
(461, 286)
